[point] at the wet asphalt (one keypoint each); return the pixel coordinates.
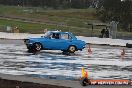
(105, 62)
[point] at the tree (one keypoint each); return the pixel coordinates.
(115, 10)
(126, 15)
(110, 10)
(49, 3)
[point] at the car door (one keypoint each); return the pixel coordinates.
(66, 41)
(57, 42)
(53, 42)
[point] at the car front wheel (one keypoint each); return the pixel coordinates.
(71, 49)
(36, 47)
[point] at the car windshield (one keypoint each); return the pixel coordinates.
(47, 34)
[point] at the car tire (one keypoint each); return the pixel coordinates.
(36, 47)
(71, 49)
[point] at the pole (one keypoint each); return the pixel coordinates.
(92, 31)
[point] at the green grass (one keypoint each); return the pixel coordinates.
(70, 17)
(76, 13)
(39, 28)
(26, 27)
(74, 20)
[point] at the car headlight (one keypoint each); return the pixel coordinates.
(26, 41)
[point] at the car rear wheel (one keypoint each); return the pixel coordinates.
(71, 49)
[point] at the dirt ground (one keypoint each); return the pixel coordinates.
(18, 84)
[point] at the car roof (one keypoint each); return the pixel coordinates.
(63, 33)
(57, 32)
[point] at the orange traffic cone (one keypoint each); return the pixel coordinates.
(86, 74)
(89, 49)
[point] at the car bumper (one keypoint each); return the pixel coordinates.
(29, 46)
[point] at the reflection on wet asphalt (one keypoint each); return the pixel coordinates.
(102, 63)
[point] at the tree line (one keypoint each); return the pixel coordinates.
(51, 3)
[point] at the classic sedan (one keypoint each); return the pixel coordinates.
(55, 40)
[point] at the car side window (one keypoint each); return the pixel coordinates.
(65, 36)
(55, 36)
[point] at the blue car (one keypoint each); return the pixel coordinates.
(55, 40)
